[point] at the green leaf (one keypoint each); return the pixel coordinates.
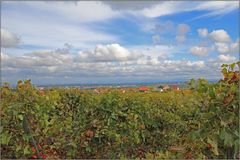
(5, 138)
(207, 115)
(18, 147)
(26, 150)
(214, 146)
(149, 156)
(226, 137)
(88, 149)
(20, 117)
(234, 88)
(236, 147)
(195, 134)
(223, 123)
(212, 92)
(27, 137)
(73, 144)
(122, 157)
(224, 71)
(224, 65)
(232, 65)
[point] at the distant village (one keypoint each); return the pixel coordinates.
(124, 89)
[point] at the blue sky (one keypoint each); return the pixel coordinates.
(117, 42)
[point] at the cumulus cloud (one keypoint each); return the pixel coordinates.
(182, 30)
(199, 50)
(163, 32)
(76, 23)
(227, 47)
(219, 47)
(107, 53)
(47, 60)
(219, 36)
(227, 58)
(172, 33)
(222, 48)
(218, 41)
(202, 32)
(101, 57)
(112, 60)
(235, 46)
(157, 51)
(164, 27)
(9, 39)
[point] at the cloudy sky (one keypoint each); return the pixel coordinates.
(117, 42)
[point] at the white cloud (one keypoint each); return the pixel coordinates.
(217, 8)
(156, 51)
(164, 27)
(218, 40)
(214, 8)
(107, 53)
(53, 17)
(78, 11)
(130, 5)
(235, 46)
(222, 48)
(53, 35)
(156, 9)
(148, 61)
(8, 39)
(227, 58)
(182, 30)
(161, 9)
(199, 50)
(41, 59)
(219, 47)
(4, 57)
(99, 59)
(227, 47)
(84, 72)
(217, 5)
(219, 36)
(48, 27)
(112, 61)
(54, 23)
(203, 32)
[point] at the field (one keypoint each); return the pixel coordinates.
(201, 122)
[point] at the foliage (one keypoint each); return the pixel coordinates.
(72, 123)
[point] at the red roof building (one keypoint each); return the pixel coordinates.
(143, 89)
(175, 87)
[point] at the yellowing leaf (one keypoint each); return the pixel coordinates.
(214, 146)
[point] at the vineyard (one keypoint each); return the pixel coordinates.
(202, 122)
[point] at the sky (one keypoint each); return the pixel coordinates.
(93, 42)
